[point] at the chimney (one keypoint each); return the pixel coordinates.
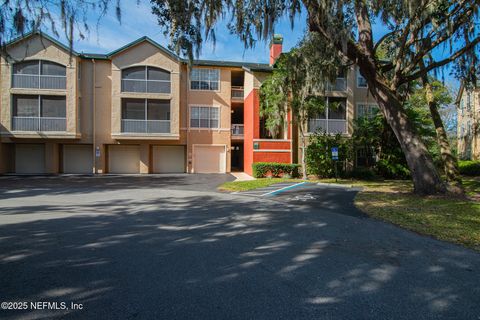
(275, 48)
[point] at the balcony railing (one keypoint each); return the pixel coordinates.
(339, 85)
(237, 93)
(237, 129)
(145, 126)
(35, 81)
(329, 126)
(39, 124)
(146, 86)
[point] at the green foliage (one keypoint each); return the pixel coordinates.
(362, 173)
(469, 168)
(319, 154)
(275, 169)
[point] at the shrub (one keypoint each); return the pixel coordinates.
(263, 169)
(469, 168)
(319, 154)
(392, 168)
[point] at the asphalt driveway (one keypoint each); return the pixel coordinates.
(171, 247)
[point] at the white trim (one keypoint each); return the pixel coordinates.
(272, 140)
(204, 90)
(192, 105)
(208, 145)
(272, 150)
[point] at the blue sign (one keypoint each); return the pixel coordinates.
(334, 153)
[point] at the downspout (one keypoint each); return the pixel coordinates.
(94, 111)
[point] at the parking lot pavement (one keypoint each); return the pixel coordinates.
(147, 249)
(271, 190)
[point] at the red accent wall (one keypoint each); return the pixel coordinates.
(277, 145)
(282, 157)
(251, 128)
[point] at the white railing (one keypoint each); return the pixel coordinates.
(35, 81)
(328, 126)
(39, 124)
(146, 86)
(339, 85)
(237, 93)
(237, 129)
(145, 126)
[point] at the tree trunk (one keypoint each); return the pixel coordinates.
(448, 158)
(426, 179)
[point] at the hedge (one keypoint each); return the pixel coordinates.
(275, 169)
(469, 168)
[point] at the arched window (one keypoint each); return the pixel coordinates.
(39, 74)
(145, 79)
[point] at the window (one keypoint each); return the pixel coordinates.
(365, 110)
(39, 106)
(361, 81)
(39, 74)
(205, 79)
(204, 117)
(333, 119)
(145, 109)
(146, 79)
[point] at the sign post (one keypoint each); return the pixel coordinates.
(335, 160)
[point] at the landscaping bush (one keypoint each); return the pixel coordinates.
(392, 168)
(469, 168)
(319, 154)
(275, 169)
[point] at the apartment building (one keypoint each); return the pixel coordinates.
(142, 109)
(468, 123)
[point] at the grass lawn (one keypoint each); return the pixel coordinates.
(252, 184)
(450, 219)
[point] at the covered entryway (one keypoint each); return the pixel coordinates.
(124, 159)
(209, 159)
(77, 158)
(30, 158)
(168, 159)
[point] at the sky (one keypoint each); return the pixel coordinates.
(138, 21)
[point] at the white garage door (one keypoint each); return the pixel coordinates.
(30, 158)
(77, 158)
(209, 159)
(168, 159)
(124, 159)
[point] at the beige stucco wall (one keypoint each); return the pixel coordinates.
(145, 54)
(37, 48)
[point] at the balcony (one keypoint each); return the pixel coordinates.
(146, 86)
(42, 124)
(339, 85)
(332, 126)
(35, 81)
(237, 93)
(145, 126)
(237, 129)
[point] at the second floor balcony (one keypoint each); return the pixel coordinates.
(29, 81)
(145, 126)
(237, 93)
(339, 85)
(237, 130)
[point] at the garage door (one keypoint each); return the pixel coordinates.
(168, 159)
(209, 159)
(77, 158)
(124, 159)
(30, 158)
